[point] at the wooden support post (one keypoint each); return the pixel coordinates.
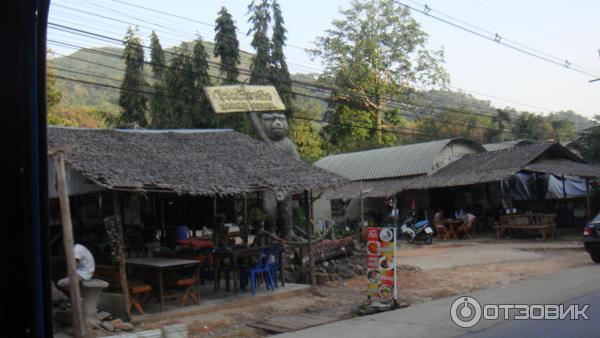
(67, 226)
(162, 221)
(564, 188)
(309, 232)
(118, 214)
(588, 210)
(245, 231)
(215, 225)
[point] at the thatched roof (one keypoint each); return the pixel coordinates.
(564, 167)
(497, 165)
(186, 162)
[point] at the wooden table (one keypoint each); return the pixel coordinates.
(545, 224)
(451, 224)
(162, 264)
(233, 255)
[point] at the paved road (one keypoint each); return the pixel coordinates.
(550, 328)
(432, 319)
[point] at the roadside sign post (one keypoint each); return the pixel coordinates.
(381, 265)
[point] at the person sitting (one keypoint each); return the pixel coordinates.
(466, 229)
(438, 223)
(459, 214)
(85, 266)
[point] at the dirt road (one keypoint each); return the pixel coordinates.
(425, 273)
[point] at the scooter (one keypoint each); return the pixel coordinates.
(416, 232)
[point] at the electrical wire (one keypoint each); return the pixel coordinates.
(388, 102)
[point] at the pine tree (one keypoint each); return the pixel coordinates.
(280, 75)
(158, 102)
(228, 50)
(260, 17)
(227, 47)
(203, 116)
(132, 100)
(180, 89)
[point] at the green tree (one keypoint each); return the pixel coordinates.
(53, 95)
(304, 130)
(260, 18)
(227, 47)
(501, 120)
(562, 130)
(132, 99)
(228, 50)
(375, 52)
(531, 126)
(280, 74)
(159, 111)
(429, 127)
(203, 115)
(590, 138)
(180, 87)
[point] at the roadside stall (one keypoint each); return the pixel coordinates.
(175, 214)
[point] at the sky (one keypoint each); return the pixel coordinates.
(483, 68)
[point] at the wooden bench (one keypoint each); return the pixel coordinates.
(137, 289)
(544, 224)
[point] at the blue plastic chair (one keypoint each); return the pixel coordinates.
(275, 263)
(261, 267)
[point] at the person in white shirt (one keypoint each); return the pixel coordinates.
(85, 266)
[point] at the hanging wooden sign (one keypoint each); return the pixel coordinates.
(242, 98)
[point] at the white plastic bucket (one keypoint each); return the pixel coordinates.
(157, 333)
(175, 331)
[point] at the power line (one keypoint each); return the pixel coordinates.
(396, 129)
(498, 39)
(424, 96)
(291, 61)
(390, 102)
(151, 93)
(453, 122)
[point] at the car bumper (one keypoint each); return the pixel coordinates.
(591, 244)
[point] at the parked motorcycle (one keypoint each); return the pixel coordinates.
(414, 232)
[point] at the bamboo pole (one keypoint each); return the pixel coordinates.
(67, 227)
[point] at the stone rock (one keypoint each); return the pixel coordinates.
(108, 326)
(118, 324)
(103, 315)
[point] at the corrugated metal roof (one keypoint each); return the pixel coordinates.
(378, 188)
(406, 160)
(507, 144)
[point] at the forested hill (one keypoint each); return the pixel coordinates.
(104, 65)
